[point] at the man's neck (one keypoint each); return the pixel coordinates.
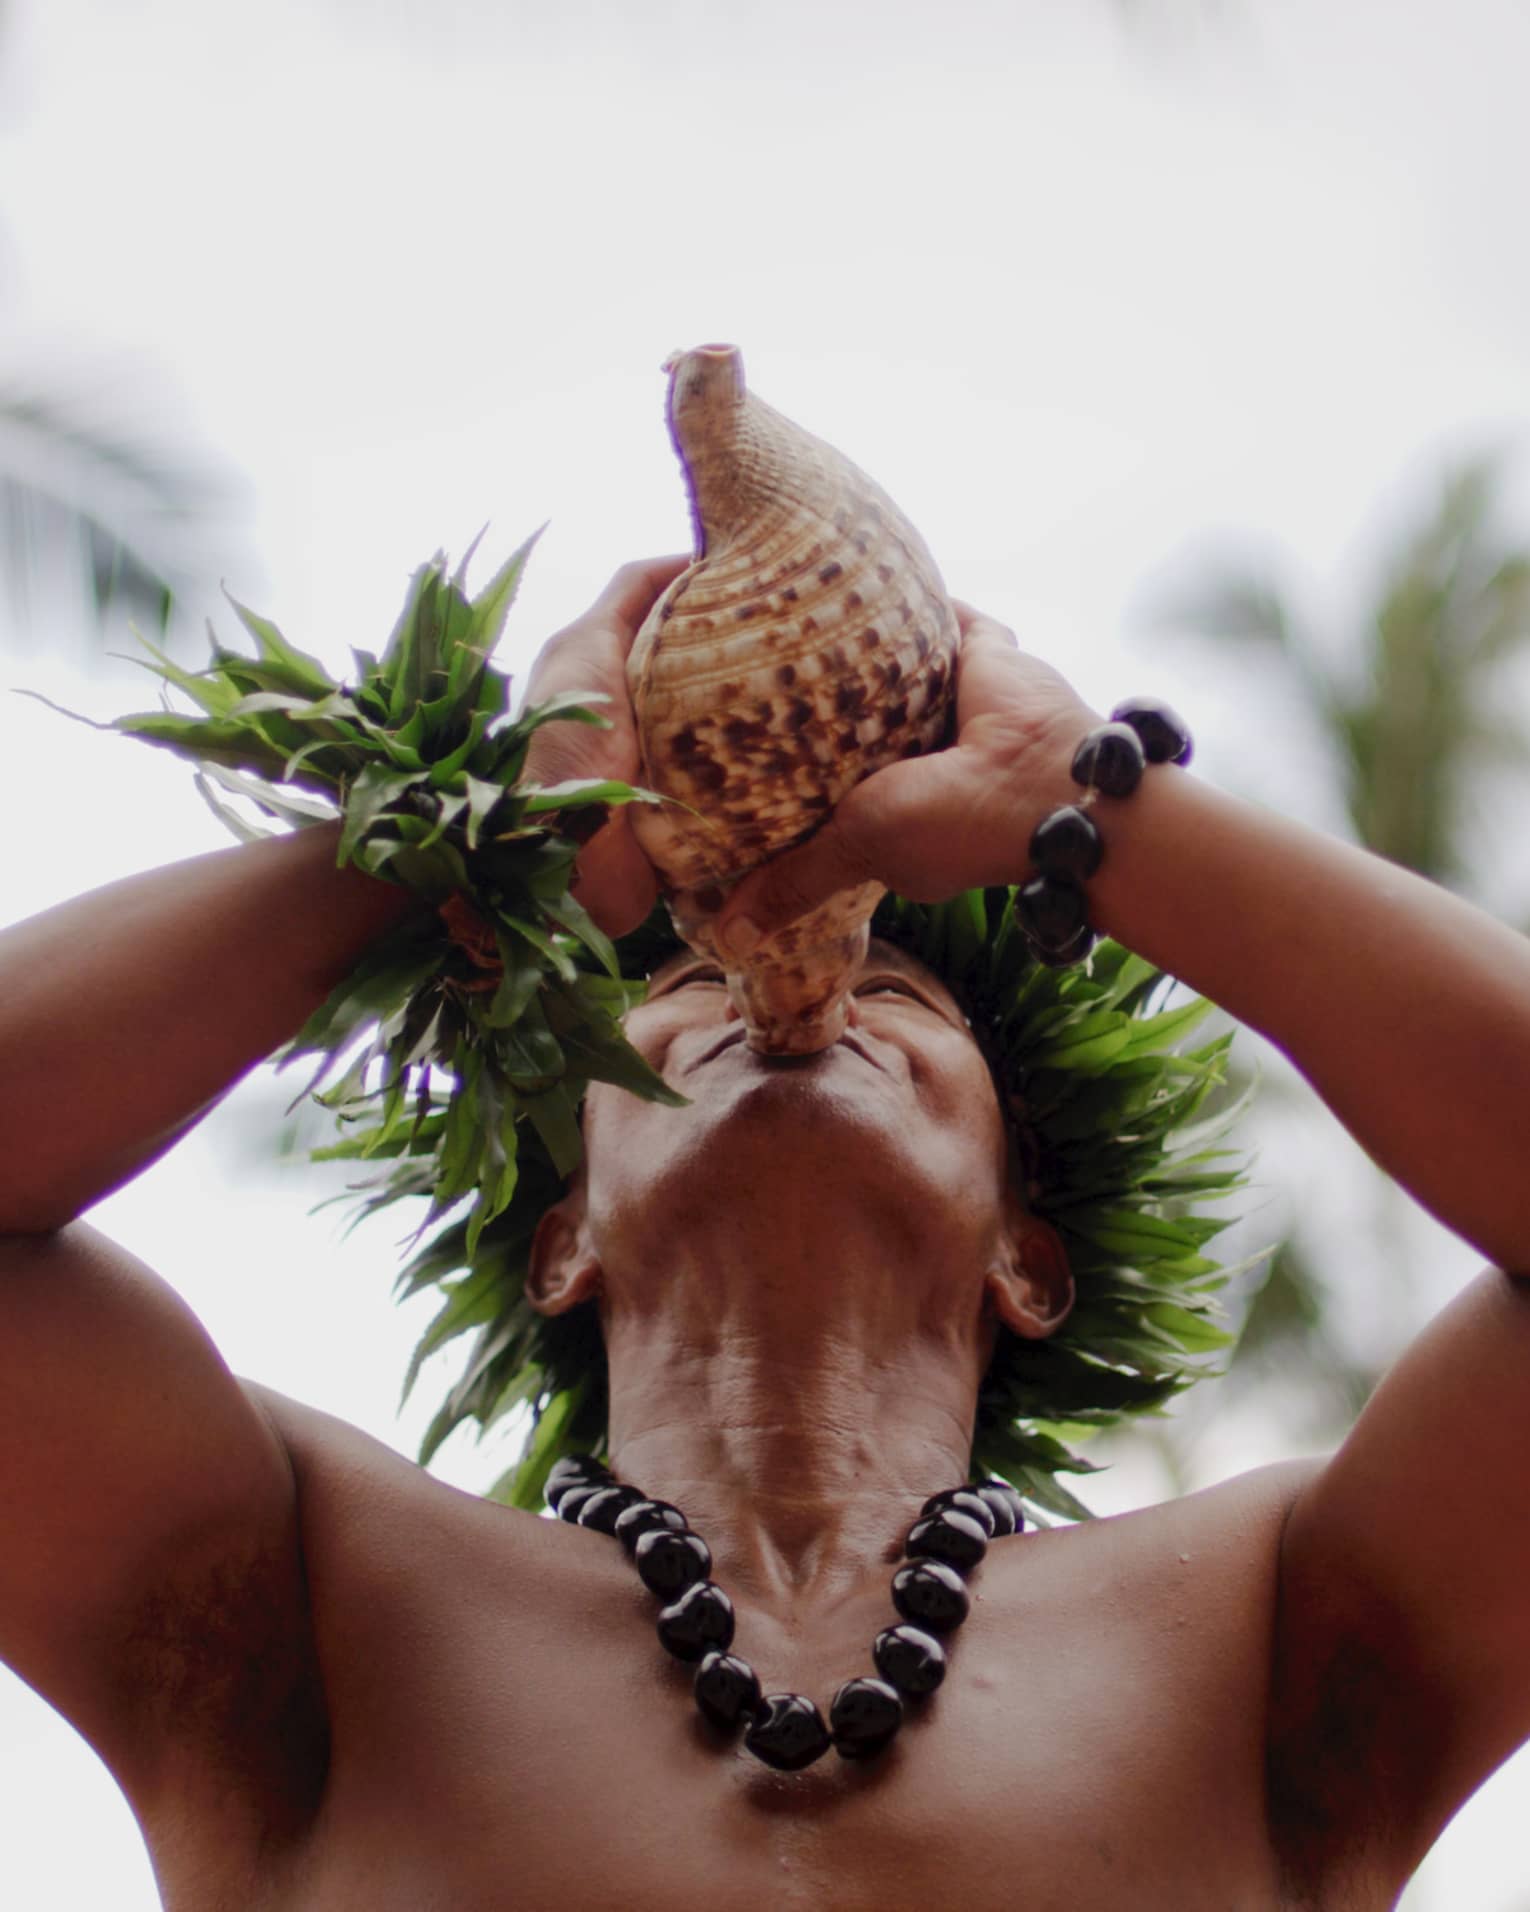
(798, 1422)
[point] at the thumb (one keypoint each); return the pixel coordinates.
(790, 885)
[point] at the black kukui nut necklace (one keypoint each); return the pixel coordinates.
(786, 1730)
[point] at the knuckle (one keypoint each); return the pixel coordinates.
(994, 631)
(850, 852)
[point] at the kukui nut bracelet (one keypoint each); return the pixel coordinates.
(1066, 847)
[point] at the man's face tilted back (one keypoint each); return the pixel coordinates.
(894, 1133)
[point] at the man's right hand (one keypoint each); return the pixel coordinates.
(613, 879)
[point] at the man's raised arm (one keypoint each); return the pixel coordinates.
(1408, 1009)
(1401, 1657)
(160, 1493)
(126, 1012)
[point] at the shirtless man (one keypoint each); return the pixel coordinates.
(325, 1681)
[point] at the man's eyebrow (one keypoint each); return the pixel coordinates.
(892, 956)
(895, 956)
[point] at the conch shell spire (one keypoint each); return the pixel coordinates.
(810, 643)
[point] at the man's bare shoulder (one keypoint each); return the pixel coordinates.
(353, 1483)
(1234, 1526)
(366, 1508)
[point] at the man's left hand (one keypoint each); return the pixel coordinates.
(931, 827)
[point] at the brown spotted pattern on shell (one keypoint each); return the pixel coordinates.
(810, 643)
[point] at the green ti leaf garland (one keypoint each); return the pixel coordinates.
(467, 1028)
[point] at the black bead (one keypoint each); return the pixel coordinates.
(701, 1619)
(1164, 733)
(1052, 910)
(997, 1491)
(863, 1716)
(643, 1517)
(966, 1500)
(572, 1499)
(1066, 843)
(931, 1594)
(574, 1470)
(605, 1505)
(1006, 1519)
(788, 1732)
(727, 1690)
(954, 1537)
(1073, 951)
(1110, 760)
(669, 1562)
(910, 1659)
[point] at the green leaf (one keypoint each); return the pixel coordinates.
(482, 799)
(376, 787)
(572, 706)
(298, 671)
(461, 1139)
(559, 959)
(577, 790)
(492, 605)
(1085, 1053)
(554, 1114)
(605, 1055)
(443, 771)
(522, 1486)
(208, 689)
(229, 817)
(469, 1304)
(522, 977)
(531, 1055)
(275, 801)
(378, 986)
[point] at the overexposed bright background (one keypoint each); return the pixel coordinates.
(1087, 288)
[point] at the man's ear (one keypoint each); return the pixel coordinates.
(563, 1270)
(1030, 1283)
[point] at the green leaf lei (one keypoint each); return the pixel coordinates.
(465, 1040)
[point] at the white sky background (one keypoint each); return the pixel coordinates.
(1081, 299)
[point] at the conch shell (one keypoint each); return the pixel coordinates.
(810, 643)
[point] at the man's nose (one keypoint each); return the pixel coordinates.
(732, 1012)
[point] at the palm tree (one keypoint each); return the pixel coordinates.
(1410, 724)
(95, 512)
(1453, 607)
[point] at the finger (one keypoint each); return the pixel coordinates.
(790, 885)
(614, 880)
(970, 620)
(633, 590)
(985, 667)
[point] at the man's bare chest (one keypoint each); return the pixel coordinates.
(507, 1731)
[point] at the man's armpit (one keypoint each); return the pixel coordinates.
(1350, 1764)
(217, 1667)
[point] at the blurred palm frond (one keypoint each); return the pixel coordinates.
(1453, 605)
(1412, 709)
(1286, 1342)
(107, 512)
